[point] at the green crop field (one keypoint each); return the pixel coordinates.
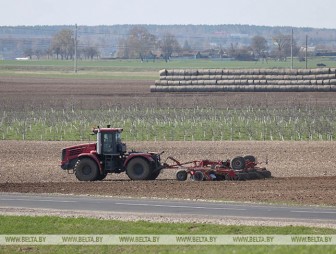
(156, 121)
(135, 68)
(149, 124)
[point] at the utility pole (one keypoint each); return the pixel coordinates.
(292, 48)
(75, 42)
(306, 56)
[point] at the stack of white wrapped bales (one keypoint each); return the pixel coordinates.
(246, 80)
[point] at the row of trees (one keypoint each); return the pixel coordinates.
(144, 45)
(141, 44)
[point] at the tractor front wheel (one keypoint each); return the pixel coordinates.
(86, 170)
(138, 169)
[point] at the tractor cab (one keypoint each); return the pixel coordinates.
(110, 148)
(109, 141)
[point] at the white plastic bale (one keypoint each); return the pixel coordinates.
(225, 72)
(302, 88)
(304, 71)
(272, 82)
(324, 71)
(223, 82)
(163, 72)
(219, 72)
(236, 72)
(291, 77)
(332, 81)
(255, 72)
(203, 72)
(324, 88)
(173, 83)
(319, 82)
(191, 72)
(204, 77)
(333, 88)
(177, 78)
(200, 82)
(194, 77)
(210, 82)
(258, 88)
(187, 77)
(224, 88)
(306, 82)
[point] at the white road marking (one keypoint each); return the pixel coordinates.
(183, 206)
(314, 212)
(38, 200)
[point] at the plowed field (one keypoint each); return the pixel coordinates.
(304, 172)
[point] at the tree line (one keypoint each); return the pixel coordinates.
(140, 43)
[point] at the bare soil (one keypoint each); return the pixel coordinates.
(304, 172)
(44, 93)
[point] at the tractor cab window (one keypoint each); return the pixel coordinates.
(108, 142)
(118, 137)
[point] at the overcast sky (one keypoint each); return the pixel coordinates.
(299, 13)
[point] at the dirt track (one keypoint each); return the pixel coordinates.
(33, 167)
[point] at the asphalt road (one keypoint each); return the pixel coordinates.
(171, 207)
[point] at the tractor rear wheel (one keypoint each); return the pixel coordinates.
(238, 163)
(138, 169)
(86, 170)
(101, 177)
(154, 175)
(182, 175)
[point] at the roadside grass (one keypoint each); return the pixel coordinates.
(56, 225)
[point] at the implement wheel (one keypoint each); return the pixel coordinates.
(198, 176)
(181, 175)
(250, 158)
(238, 163)
(86, 170)
(138, 169)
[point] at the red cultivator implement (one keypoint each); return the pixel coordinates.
(239, 168)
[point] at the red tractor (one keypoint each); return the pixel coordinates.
(91, 162)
